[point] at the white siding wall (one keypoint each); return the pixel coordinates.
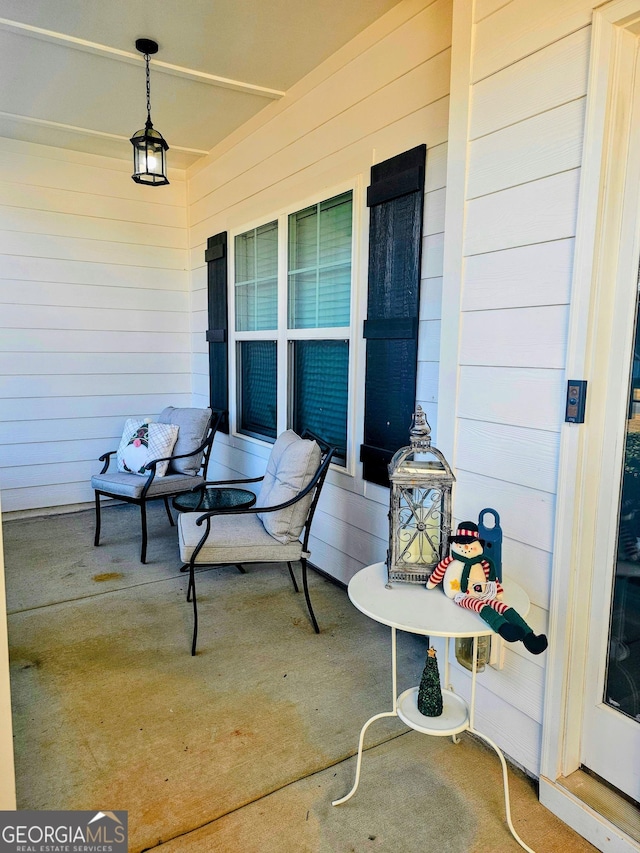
(94, 315)
(383, 93)
(528, 89)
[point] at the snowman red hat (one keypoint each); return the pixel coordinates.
(467, 532)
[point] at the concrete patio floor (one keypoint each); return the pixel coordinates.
(244, 747)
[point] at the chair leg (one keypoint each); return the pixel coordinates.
(168, 509)
(306, 595)
(293, 577)
(143, 518)
(240, 568)
(192, 591)
(96, 540)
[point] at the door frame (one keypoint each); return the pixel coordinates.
(7, 778)
(606, 252)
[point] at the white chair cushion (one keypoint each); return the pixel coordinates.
(193, 425)
(233, 539)
(143, 442)
(291, 466)
(131, 486)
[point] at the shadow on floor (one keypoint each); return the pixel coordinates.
(243, 747)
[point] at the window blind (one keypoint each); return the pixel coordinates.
(319, 273)
(321, 371)
(256, 279)
(257, 388)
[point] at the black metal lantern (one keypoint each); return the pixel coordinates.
(149, 146)
(420, 512)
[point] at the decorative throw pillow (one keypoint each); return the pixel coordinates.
(193, 425)
(291, 466)
(141, 443)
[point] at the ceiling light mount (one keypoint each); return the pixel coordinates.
(147, 46)
(149, 146)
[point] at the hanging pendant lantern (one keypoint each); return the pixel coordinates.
(420, 512)
(149, 146)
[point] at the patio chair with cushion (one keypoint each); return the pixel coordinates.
(276, 529)
(157, 459)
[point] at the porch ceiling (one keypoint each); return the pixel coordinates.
(71, 76)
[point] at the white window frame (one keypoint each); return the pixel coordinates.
(283, 336)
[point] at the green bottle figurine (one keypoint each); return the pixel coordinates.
(430, 692)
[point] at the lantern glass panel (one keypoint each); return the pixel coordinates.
(418, 528)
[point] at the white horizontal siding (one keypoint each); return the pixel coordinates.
(27, 364)
(515, 337)
(554, 75)
(539, 274)
(431, 298)
(534, 212)
(68, 408)
(529, 566)
(384, 93)
(88, 385)
(528, 85)
(506, 158)
(527, 515)
(90, 227)
(89, 296)
(45, 430)
(513, 454)
(484, 8)
(94, 316)
(77, 201)
(64, 340)
(516, 31)
(109, 274)
(488, 394)
(32, 316)
(40, 166)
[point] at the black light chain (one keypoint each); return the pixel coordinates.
(146, 59)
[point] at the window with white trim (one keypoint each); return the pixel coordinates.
(292, 297)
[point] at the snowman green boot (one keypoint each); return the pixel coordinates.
(534, 643)
(507, 630)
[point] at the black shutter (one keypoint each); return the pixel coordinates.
(216, 258)
(396, 199)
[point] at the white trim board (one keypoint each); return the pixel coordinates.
(598, 258)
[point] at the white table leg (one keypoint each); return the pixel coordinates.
(447, 684)
(505, 781)
(394, 688)
(359, 762)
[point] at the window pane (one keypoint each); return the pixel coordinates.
(256, 271)
(245, 256)
(320, 264)
(303, 305)
(320, 391)
(334, 296)
(257, 388)
(303, 238)
(335, 230)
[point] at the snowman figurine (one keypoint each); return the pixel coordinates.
(469, 578)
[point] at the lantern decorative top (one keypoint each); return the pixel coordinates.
(420, 509)
(420, 432)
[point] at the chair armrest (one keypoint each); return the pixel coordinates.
(200, 449)
(106, 458)
(230, 482)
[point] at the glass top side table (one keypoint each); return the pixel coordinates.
(206, 498)
(409, 608)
